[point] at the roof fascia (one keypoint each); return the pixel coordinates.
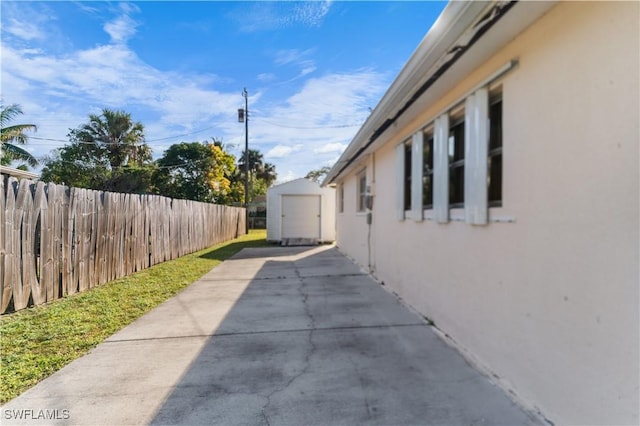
(458, 22)
(452, 22)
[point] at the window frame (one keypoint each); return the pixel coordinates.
(456, 158)
(407, 178)
(361, 190)
(341, 198)
(466, 186)
(495, 152)
(427, 169)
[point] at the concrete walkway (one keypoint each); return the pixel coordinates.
(273, 336)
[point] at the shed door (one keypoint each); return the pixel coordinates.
(301, 216)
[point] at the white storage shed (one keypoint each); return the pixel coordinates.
(301, 209)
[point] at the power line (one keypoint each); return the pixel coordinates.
(342, 126)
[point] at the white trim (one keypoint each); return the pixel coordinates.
(359, 176)
(475, 157)
(400, 215)
(441, 169)
(499, 73)
(417, 159)
(429, 215)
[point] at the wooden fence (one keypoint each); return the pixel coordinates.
(57, 241)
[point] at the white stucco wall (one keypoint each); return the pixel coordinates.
(548, 303)
(301, 187)
(351, 226)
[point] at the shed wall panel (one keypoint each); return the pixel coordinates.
(300, 216)
(275, 194)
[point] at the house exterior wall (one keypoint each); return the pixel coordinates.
(351, 225)
(301, 187)
(548, 302)
(328, 215)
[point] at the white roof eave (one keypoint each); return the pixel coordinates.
(456, 19)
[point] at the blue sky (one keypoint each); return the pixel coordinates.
(313, 69)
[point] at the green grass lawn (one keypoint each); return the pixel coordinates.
(36, 342)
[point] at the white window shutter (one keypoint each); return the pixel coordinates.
(476, 151)
(441, 169)
(416, 175)
(400, 182)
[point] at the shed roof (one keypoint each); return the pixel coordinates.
(295, 182)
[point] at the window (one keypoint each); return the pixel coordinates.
(494, 166)
(427, 174)
(456, 163)
(362, 190)
(407, 176)
(341, 198)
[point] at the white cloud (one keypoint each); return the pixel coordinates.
(297, 58)
(24, 30)
(25, 22)
(84, 6)
(288, 176)
(268, 16)
(336, 100)
(307, 70)
(292, 56)
(330, 147)
(112, 76)
(266, 77)
(311, 12)
(129, 8)
(123, 27)
(280, 151)
(322, 117)
(299, 133)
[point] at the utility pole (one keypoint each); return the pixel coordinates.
(243, 115)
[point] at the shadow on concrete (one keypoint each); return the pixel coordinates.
(311, 340)
(224, 252)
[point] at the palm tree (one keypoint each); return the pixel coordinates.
(268, 173)
(255, 161)
(116, 136)
(258, 168)
(14, 134)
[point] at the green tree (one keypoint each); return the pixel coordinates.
(255, 159)
(222, 173)
(268, 174)
(75, 165)
(182, 172)
(108, 153)
(318, 175)
(12, 135)
(261, 174)
(196, 171)
(115, 136)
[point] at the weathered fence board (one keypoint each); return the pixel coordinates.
(56, 241)
(55, 196)
(6, 239)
